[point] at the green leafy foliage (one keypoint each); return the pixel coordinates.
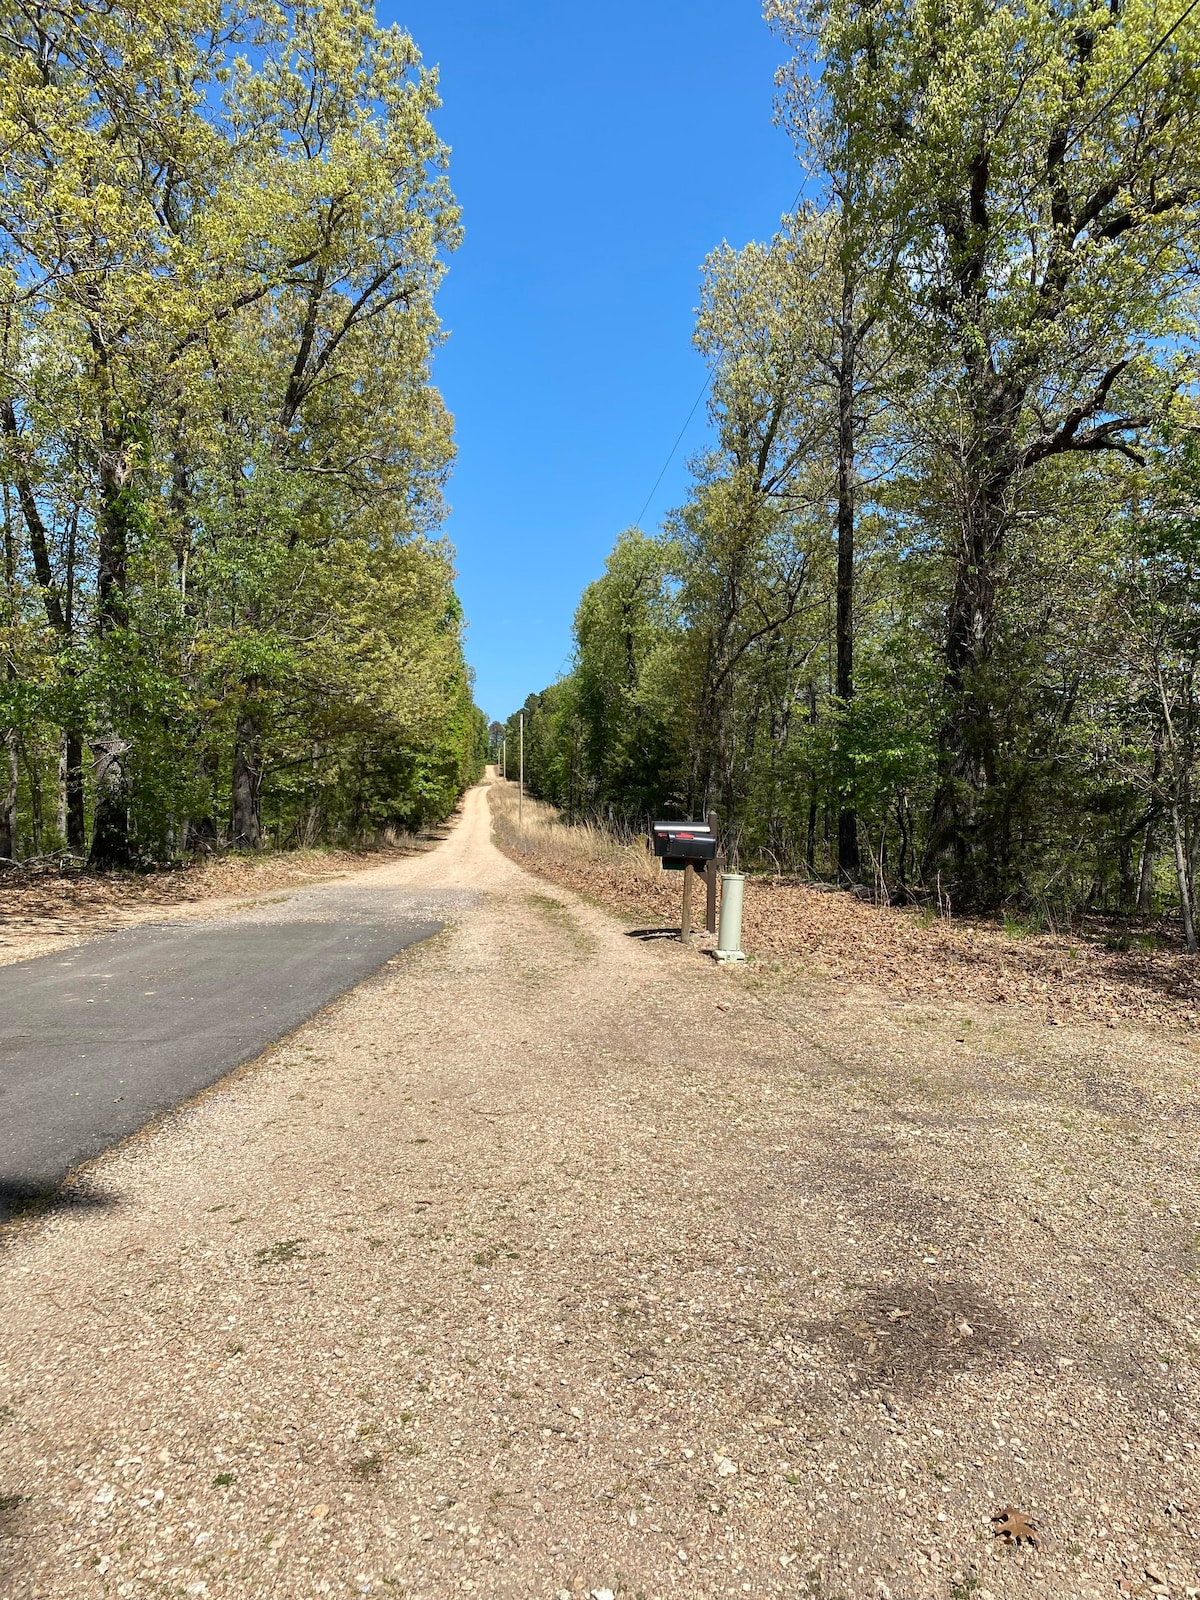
(932, 605)
(227, 614)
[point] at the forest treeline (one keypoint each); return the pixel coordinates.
(930, 614)
(227, 615)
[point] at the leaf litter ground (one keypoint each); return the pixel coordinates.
(43, 910)
(1054, 976)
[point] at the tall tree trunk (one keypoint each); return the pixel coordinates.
(312, 824)
(1127, 881)
(902, 869)
(111, 845)
(8, 811)
(1146, 871)
(848, 854)
(8, 800)
(966, 740)
(39, 539)
(70, 818)
(810, 843)
(73, 791)
(60, 807)
(33, 778)
(1181, 877)
(112, 842)
(114, 527)
(247, 781)
(59, 608)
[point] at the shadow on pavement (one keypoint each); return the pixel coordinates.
(19, 1200)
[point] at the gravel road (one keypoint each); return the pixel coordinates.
(552, 1262)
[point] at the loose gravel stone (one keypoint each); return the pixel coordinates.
(552, 1262)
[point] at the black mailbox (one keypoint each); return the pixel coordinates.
(683, 844)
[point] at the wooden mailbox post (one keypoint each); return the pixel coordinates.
(689, 847)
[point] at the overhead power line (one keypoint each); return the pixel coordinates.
(678, 441)
(1131, 77)
(709, 378)
(1141, 66)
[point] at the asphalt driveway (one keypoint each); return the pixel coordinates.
(98, 1039)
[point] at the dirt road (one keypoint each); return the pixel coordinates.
(552, 1261)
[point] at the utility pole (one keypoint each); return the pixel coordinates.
(504, 759)
(521, 791)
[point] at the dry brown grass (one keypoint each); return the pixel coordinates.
(545, 838)
(1056, 976)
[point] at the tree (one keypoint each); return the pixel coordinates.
(932, 587)
(863, 235)
(1157, 732)
(220, 238)
(749, 538)
(623, 695)
(1048, 179)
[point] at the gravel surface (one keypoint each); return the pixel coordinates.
(1102, 971)
(551, 1261)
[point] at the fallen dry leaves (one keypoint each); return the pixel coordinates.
(81, 902)
(1014, 1527)
(964, 959)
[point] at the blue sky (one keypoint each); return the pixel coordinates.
(599, 153)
